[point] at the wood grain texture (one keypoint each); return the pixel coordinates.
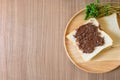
(31, 41)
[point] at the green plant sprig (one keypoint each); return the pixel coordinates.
(96, 10)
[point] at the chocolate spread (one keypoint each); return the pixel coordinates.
(88, 38)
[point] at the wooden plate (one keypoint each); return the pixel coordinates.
(74, 56)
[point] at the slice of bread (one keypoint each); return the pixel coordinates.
(110, 24)
(88, 56)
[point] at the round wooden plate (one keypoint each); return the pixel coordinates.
(74, 56)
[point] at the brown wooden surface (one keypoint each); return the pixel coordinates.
(31, 41)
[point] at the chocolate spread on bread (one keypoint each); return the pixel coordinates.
(88, 37)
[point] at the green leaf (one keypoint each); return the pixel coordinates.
(97, 1)
(94, 10)
(106, 10)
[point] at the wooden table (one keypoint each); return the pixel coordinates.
(31, 41)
